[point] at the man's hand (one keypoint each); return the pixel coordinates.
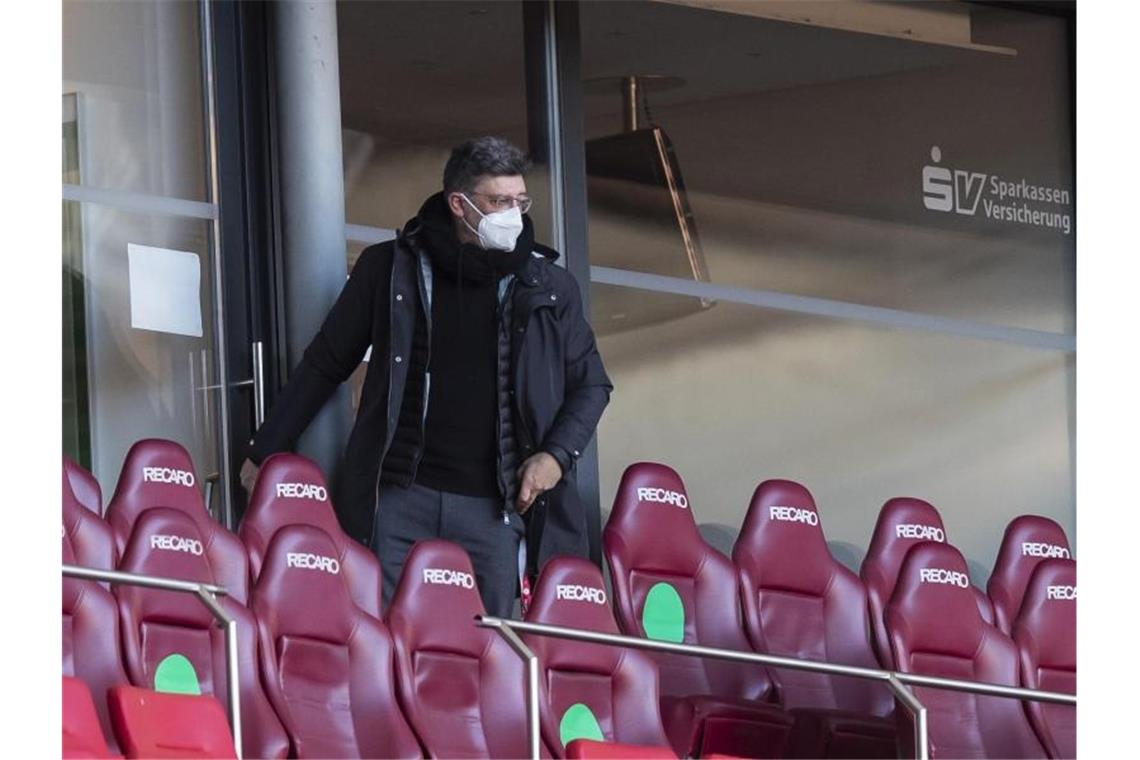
(539, 473)
(248, 475)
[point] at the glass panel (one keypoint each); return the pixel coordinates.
(862, 166)
(136, 68)
(76, 415)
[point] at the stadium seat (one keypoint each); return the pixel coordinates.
(902, 523)
(153, 724)
(799, 601)
(84, 486)
(1045, 632)
(290, 490)
(160, 473)
(82, 734)
(325, 663)
(935, 629)
(589, 749)
(92, 543)
(171, 641)
(1028, 540)
(461, 686)
(670, 585)
(605, 694)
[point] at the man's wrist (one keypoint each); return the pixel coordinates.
(561, 455)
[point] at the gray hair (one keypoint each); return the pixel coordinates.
(481, 157)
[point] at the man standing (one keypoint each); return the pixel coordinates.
(483, 387)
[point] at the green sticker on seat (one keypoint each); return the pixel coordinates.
(663, 616)
(176, 675)
(578, 722)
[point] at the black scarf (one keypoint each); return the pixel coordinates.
(468, 262)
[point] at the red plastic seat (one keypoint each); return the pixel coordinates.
(902, 523)
(290, 490)
(1045, 632)
(935, 629)
(171, 641)
(799, 601)
(589, 749)
(1028, 540)
(92, 541)
(325, 663)
(84, 486)
(160, 473)
(591, 691)
(152, 724)
(461, 686)
(82, 734)
(669, 584)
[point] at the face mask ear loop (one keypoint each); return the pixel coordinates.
(474, 231)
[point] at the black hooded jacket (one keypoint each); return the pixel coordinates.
(551, 384)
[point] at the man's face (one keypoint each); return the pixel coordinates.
(489, 195)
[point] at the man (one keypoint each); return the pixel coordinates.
(483, 387)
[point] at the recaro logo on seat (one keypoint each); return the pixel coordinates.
(918, 530)
(793, 514)
(302, 491)
(580, 593)
(942, 575)
(308, 561)
(1029, 549)
(1061, 592)
(176, 544)
(168, 475)
(663, 496)
(448, 577)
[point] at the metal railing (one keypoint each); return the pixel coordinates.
(896, 682)
(207, 594)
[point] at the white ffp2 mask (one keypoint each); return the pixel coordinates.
(499, 230)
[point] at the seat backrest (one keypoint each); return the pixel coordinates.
(902, 523)
(82, 734)
(291, 490)
(325, 663)
(1028, 540)
(1045, 631)
(171, 642)
(158, 724)
(92, 543)
(589, 691)
(84, 486)
(936, 629)
(461, 686)
(669, 584)
(160, 473)
(799, 601)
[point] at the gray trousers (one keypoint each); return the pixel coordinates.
(407, 515)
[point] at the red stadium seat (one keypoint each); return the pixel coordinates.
(326, 664)
(461, 686)
(82, 735)
(92, 542)
(935, 629)
(171, 641)
(159, 473)
(290, 490)
(588, 749)
(591, 691)
(799, 601)
(670, 585)
(902, 523)
(152, 724)
(1045, 632)
(84, 486)
(1028, 540)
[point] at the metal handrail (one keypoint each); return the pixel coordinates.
(207, 594)
(894, 680)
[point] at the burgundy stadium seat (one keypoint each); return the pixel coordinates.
(1028, 540)
(591, 691)
(160, 473)
(936, 629)
(902, 523)
(461, 686)
(84, 486)
(1045, 632)
(325, 663)
(588, 749)
(290, 490)
(171, 641)
(91, 637)
(82, 734)
(92, 543)
(670, 585)
(799, 601)
(154, 724)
